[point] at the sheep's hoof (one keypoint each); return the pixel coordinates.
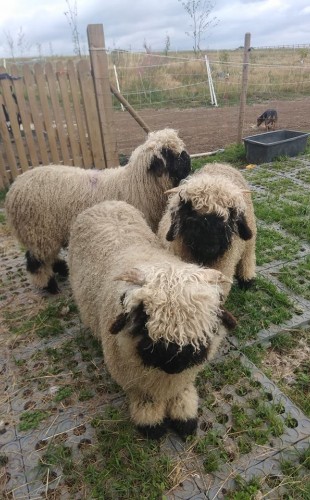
(32, 264)
(52, 286)
(153, 431)
(184, 427)
(246, 284)
(61, 267)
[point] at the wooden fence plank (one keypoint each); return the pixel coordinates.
(4, 174)
(36, 115)
(100, 69)
(61, 132)
(75, 92)
(12, 110)
(25, 116)
(7, 142)
(63, 85)
(50, 128)
(92, 119)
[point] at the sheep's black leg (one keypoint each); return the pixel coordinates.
(32, 264)
(52, 286)
(246, 284)
(184, 427)
(60, 266)
(153, 431)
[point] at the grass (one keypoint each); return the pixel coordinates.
(290, 349)
(2, 197)
(233, 154)
(294, 218)
(258, 308)
(272, 246)
(31, 419)
(120, 465)
(297, 277)
(239, 415)
(48, 322)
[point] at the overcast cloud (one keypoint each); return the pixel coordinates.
(128, 24)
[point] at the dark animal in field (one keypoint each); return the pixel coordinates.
(269, 117)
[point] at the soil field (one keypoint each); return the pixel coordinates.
(207, 129)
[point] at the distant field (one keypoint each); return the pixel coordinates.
(179, 79)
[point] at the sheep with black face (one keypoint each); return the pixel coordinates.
(159, 319)
(42, 203)
(210, 221)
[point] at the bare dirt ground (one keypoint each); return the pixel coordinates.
(208, 129)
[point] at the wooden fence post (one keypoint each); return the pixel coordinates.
(244, 86)
(100, 70)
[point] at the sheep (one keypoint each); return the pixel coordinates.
(210, 220)
(42, 203)
(159, 319)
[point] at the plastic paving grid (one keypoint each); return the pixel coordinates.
(26, 388)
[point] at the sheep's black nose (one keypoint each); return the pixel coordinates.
(170, 358)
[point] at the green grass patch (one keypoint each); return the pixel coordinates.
(284, 341)
(129, 467)
(258, 308)
(234, 154)
(48, 322)
(2, 197)
(293, 217)
(281, 186)
(2, 218)
(272, 245)
(258, 177)
(63, 393)
(57, 455)
(284, 164)
(288, 344)
(297, 277)
(218, 375)
(304, 175)
(31, 419)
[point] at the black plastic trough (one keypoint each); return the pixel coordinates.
(263, 148)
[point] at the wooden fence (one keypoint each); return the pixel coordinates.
(58, 114)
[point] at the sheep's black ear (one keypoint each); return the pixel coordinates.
(139, 320)
(173, 230)
(228, 319)
(157, 166)
(243, 229)
(119, 323)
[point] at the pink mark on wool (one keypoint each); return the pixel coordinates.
(93, 179)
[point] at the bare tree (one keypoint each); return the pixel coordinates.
(201, 20)
(147, 48)
(10, 42)
(72, 18)
(167, 44)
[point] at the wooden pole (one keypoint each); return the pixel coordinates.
(100, 69)
(130, 109)
(244, 85)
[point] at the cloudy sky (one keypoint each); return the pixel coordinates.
(42, 27)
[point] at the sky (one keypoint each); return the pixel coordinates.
(43, 28)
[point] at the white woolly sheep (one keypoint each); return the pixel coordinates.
(210, 220)
(42, 203)
(159, 319)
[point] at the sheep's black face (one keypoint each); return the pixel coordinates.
(169, 358)
(207, 236)
(178, 166)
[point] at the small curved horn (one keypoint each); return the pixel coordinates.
(214, 276)
(134, 275)
(172, 190)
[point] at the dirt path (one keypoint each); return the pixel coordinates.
(207, 129)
